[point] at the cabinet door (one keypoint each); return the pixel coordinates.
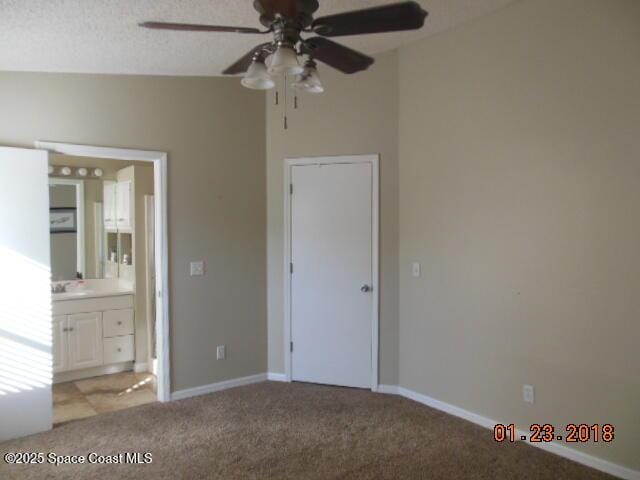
(109, 198)
(59, 348)
(85, 340)
(123, 205)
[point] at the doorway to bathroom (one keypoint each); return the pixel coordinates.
(106, 351)
(97, 338)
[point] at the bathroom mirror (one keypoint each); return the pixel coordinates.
(76, 228)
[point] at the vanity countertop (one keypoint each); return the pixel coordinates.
(93, 289)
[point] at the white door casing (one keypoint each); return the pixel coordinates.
(332, 243)
(159, 161)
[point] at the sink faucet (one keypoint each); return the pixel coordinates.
(59, 287)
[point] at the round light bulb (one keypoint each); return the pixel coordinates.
(82, 172)
(97, 172)
(66, 171)
(285, 60)
(257, 77)
(51, 169)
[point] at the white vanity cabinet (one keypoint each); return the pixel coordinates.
(59, 348)
(84, 340)
(95, 332)
(77, 341)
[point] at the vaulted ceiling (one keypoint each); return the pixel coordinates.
(103, 36)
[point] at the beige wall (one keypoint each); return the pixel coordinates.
(214, 132)
(519, 193)
(356, 115)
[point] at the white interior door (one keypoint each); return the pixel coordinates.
(332, 273)
(25, 294)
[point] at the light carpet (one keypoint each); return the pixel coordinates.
(290, 431)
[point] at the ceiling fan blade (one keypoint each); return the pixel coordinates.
(336, 55)
(388, 18)
(286, 8)
(242, 64)
(198, 28)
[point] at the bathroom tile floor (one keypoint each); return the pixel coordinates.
(107, 393)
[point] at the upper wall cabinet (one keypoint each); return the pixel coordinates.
(123, 206)
(118, 206)
(109, 198)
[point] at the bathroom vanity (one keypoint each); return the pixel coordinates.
(93, 329)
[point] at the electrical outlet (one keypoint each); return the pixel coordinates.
(197, 268)
(527, 393)
(220, 352)
(415, 269)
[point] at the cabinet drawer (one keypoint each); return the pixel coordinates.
(118, 349)
(117, 323)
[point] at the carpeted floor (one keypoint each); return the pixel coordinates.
(289, 431)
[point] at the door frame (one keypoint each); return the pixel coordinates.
(159, 160)
(289, 163)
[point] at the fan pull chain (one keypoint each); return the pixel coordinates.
(286, 124)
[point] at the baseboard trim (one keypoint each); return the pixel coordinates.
(141, 367)
(388, 389)
(276, 377)
(555, 448)
(219, 386)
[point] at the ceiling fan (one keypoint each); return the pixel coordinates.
(287, 20)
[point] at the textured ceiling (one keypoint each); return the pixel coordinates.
(102, 36)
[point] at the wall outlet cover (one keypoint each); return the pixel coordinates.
(220, 352)
(528, 394)
(197, 268)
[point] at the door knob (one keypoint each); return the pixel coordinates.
(366, 288)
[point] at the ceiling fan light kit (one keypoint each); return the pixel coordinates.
(285, 61)
(309, 80)
(257, 76)
(287, 20)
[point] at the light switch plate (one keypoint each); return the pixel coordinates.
(220, 352)
(197, 268)
(415, 269)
